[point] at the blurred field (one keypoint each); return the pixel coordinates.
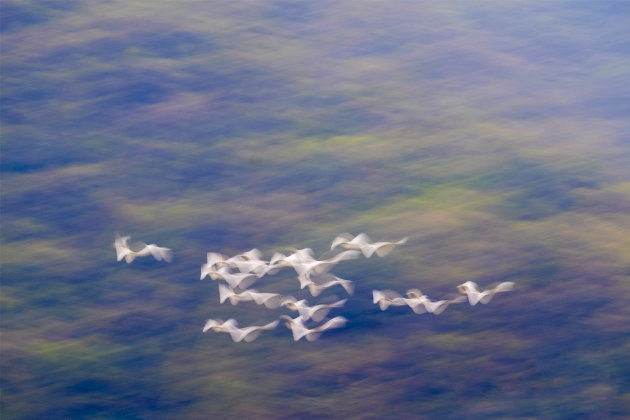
(493, 134)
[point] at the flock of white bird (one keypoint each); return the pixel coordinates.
(241, 271)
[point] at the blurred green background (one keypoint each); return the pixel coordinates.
(493, 133)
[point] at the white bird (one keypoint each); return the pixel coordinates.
(250, 262)
(124, 251)
(299, 330)
(420, 303)
(362, 243)
(316, 288)
(270, 300)
(230, 326)
(219, 325)
(213, 263)
(240, 280)
(471, 289)
(387, 298)
(316, 313)
(304, 263)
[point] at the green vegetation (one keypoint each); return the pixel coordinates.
(493, 134)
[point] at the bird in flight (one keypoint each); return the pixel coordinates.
(316, 313)
(420, 303)
(270, 300)
(363, 243)
(123, 250)
(471, 290)
(296, 325)
(231, 327)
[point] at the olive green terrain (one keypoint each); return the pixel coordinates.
(494, 134)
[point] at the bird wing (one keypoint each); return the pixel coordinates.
(385, 294)
(161, 253)
(270, 300)
(506, 286)
(211, 323)
(415, 293)
(224, 293)
(120, 244)
(336, 322)
(337, 304)
(319, 312)
(296, 325)
(383, 248)
(253, 254)
(341, 239)
(361, 238)
(242, 280)
(345, 255)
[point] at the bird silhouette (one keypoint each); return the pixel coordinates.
(420, 303)
(270, 300)
(387, 298)
(317, 284)
(304, 263)
(316, 313)
(471, 289)
(250, 262)
(363, 243)
(219, 325)
(231, 327)
(213, 263)
(123, 250)
(240, 280)
(299, 330)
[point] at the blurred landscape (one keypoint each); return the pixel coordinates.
(493, 134)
